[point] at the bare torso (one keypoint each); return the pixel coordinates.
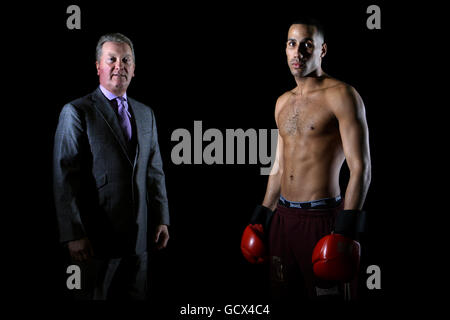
(312, 148)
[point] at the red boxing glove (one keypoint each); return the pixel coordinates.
(252, 244)
(336, 257)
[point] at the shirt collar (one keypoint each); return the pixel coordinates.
(111, 96)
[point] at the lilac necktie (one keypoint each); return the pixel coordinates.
(124, 117)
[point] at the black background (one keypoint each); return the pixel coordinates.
(223, 64)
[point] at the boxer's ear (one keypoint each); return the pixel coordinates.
(324, 50)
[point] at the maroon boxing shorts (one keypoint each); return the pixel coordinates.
(295, 230)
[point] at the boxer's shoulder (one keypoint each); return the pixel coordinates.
(282, 101)
(343, 98)
(334, 88)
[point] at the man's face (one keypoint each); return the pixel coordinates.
(304, 49)
(116, 67)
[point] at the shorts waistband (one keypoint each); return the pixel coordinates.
(317, 204)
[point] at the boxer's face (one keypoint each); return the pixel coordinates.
(304, 49)
(116, 67)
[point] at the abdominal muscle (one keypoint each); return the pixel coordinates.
(311, 170)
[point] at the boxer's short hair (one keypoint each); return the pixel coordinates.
(310, 21)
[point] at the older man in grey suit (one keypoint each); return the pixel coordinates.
(109, 184)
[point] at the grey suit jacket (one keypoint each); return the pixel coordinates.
(101, 192)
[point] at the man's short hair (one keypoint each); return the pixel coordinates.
(310, 21)
(112, 37)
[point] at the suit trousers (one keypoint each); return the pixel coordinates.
(123, 278)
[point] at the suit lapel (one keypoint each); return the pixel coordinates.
(141, 121)
(103, 106)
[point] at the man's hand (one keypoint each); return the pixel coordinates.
(161, 236)
(80, 250)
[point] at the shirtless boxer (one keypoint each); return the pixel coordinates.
(321, 123)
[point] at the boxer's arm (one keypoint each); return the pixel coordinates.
(350, 112)
(274, 183)
(273, 189)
